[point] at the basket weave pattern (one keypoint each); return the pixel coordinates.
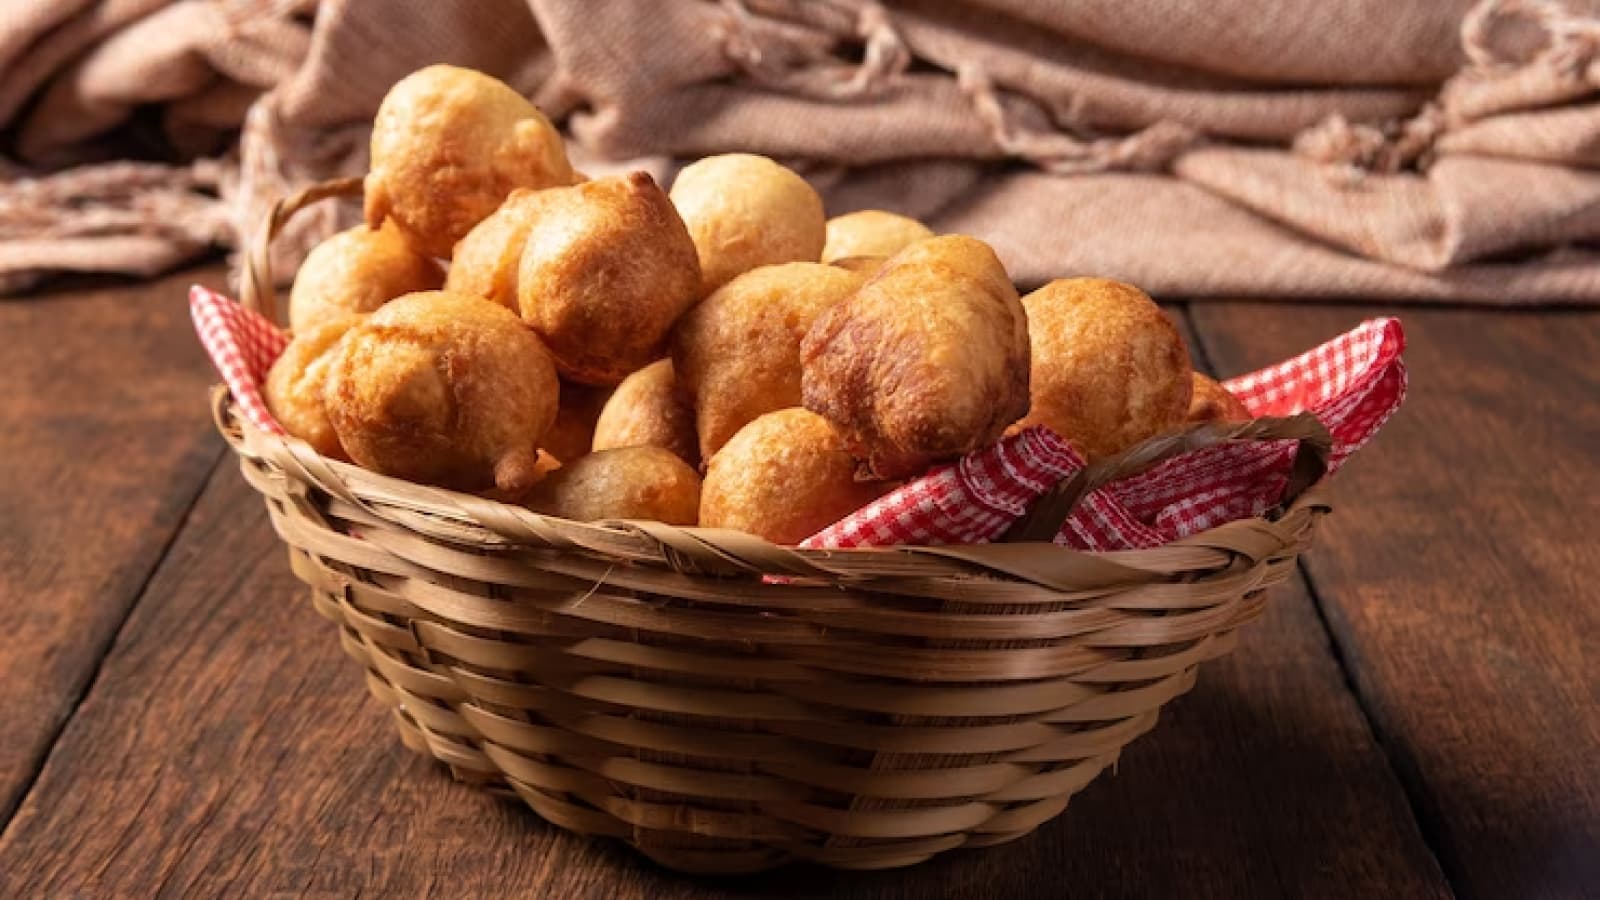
(727, 705)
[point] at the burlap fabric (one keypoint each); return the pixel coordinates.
(1364, 149)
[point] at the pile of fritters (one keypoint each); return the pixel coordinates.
(588, 348)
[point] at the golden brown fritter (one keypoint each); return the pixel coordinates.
(649, 409)
(871, 232)
(784, 477)
(573, 432)
(293, 389)
(443, 389)
(624, 483)
(927, 361)
(1109, 369)
(448, 145)
(1211, 402)
(357, 271)
(486, 260)
(745, 211)
(737, 353)
(607, 269)
(865, 266)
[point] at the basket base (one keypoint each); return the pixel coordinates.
(720, 861)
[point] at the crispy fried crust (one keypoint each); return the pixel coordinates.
(622, 483)
(649, 409)
(607, 269)
(443, 389)
(871, 232)
(745, 211)
(573, 432)
(1211, 402)
(927, 361)
(865, 266)
(737, 353)
(357, 271)
(293, 389)
(485, 261)
(1109, 369)
(448, 145)
(784, 477)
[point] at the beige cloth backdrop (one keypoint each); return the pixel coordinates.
(1444, 150)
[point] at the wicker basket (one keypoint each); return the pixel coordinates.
(867, 709)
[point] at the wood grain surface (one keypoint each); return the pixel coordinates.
(228, 746)
(1461, 580)
(101, 455)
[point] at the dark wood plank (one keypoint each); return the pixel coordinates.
(104, 444)
(230, 746)
(1460, 579)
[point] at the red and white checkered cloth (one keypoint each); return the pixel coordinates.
(1352, 383)
(243, 346)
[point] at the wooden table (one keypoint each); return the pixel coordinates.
(1417, 715)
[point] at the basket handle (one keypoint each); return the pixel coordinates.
(1050, 512)
(256, 291)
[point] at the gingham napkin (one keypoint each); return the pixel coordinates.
(243, 346)
(1352, 383)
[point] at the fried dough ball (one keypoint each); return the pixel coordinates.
(485, 262)
(649, 409)
(448, 145)
(1109, 369)
(443, 389)
(607, 269)
(573, 431)
(784, 477)
(738, 352)
(623, 483)
(542, 468)
(865, 266)
(871, 232)
(927, 361)
(357, 271)
(293, 389)
(1211, 402)
(745, 211)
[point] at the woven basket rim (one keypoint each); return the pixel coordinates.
(437, 513)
